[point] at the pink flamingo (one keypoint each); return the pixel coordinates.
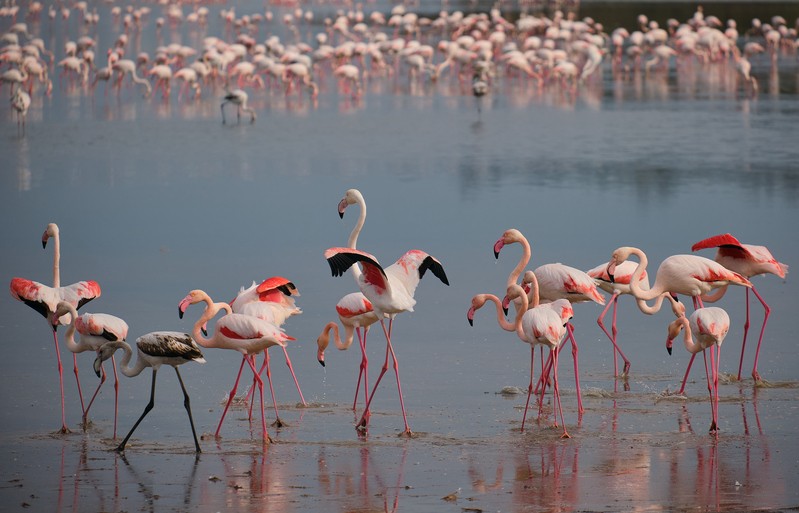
(620, 285)
(709, 325)
(747, 260)
(690, 275)
(45, 300)
(539, 325)
(272, 301)
(354, 312)
(390, 291)
(555, 281)
(155, 349)
(95, 330)
(243, 333)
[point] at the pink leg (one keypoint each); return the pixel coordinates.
(746, 331)
(362, 423)
(251, 362)
(363, 370)
(277, 422)
(612, 337)
(64, 428)
(556, 394)
(291, 369)
(530, 386)
(570, 331)
(407, 431)
(97, 390)
(77, 380)
(685, 378)
(755, 374)
(230, 397)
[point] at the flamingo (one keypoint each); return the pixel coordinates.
(21, 102)
(390, 291)
(709, 325)
(128, 67)
(154, 349)
(539, 325)
(243, 333)
(620, 285)
(238, 98)
(272, 301)
(556, 281)
(45, 300)
(690, 275)
(354, 312)
(95, 330)
(747, 260)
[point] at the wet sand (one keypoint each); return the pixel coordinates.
(631, 451)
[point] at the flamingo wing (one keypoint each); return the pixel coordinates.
(80, 293)
(170, 344)
(40, 297)
(341, 259)
(245, 327)
(277, 283)
(109, 327)
(710, 271)
(572, 283)
(716, 241)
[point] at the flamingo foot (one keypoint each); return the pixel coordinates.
(64, 430)
(406, 434)
(120, 448)
(565, 434)
(278, 423)
(626, 372)
(756, 376)
(714, 429)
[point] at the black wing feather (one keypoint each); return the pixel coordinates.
(435, 267)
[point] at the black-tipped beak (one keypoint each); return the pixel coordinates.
(44, 244)
(341, 215)
(471, 322)
(180, 313)
(97, 367)
(612, 279)
(321, 362)
(669, 350)
(505, 309)
(205, 332)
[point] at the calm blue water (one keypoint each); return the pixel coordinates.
(155, 198)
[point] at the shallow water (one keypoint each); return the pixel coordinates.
(155, 198)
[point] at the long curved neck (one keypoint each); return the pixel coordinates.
(503, 323)
(715, 295)
(124, 365)
(56, 261)
(69, 336)
(513, 277)
(688, 338)
(521, 309)
(353, 240)
(349, 335)
(356, 230)
(532, 296)
(635, 281)
(211, 309)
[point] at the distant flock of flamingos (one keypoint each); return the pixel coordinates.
(251, 323)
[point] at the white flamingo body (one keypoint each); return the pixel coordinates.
(748, 260)
(705, 330)
(239, 98)
(243, 333)
(154, 349)
(45, 299)
(272, 301)
(95, 330)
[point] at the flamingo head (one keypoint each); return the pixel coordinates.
(675, 327)
(105, 352)
(50, 231)
(477, 303)
(618, 256)
(351, 197)
(509, 237)
(322, 342)
(195, 296)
